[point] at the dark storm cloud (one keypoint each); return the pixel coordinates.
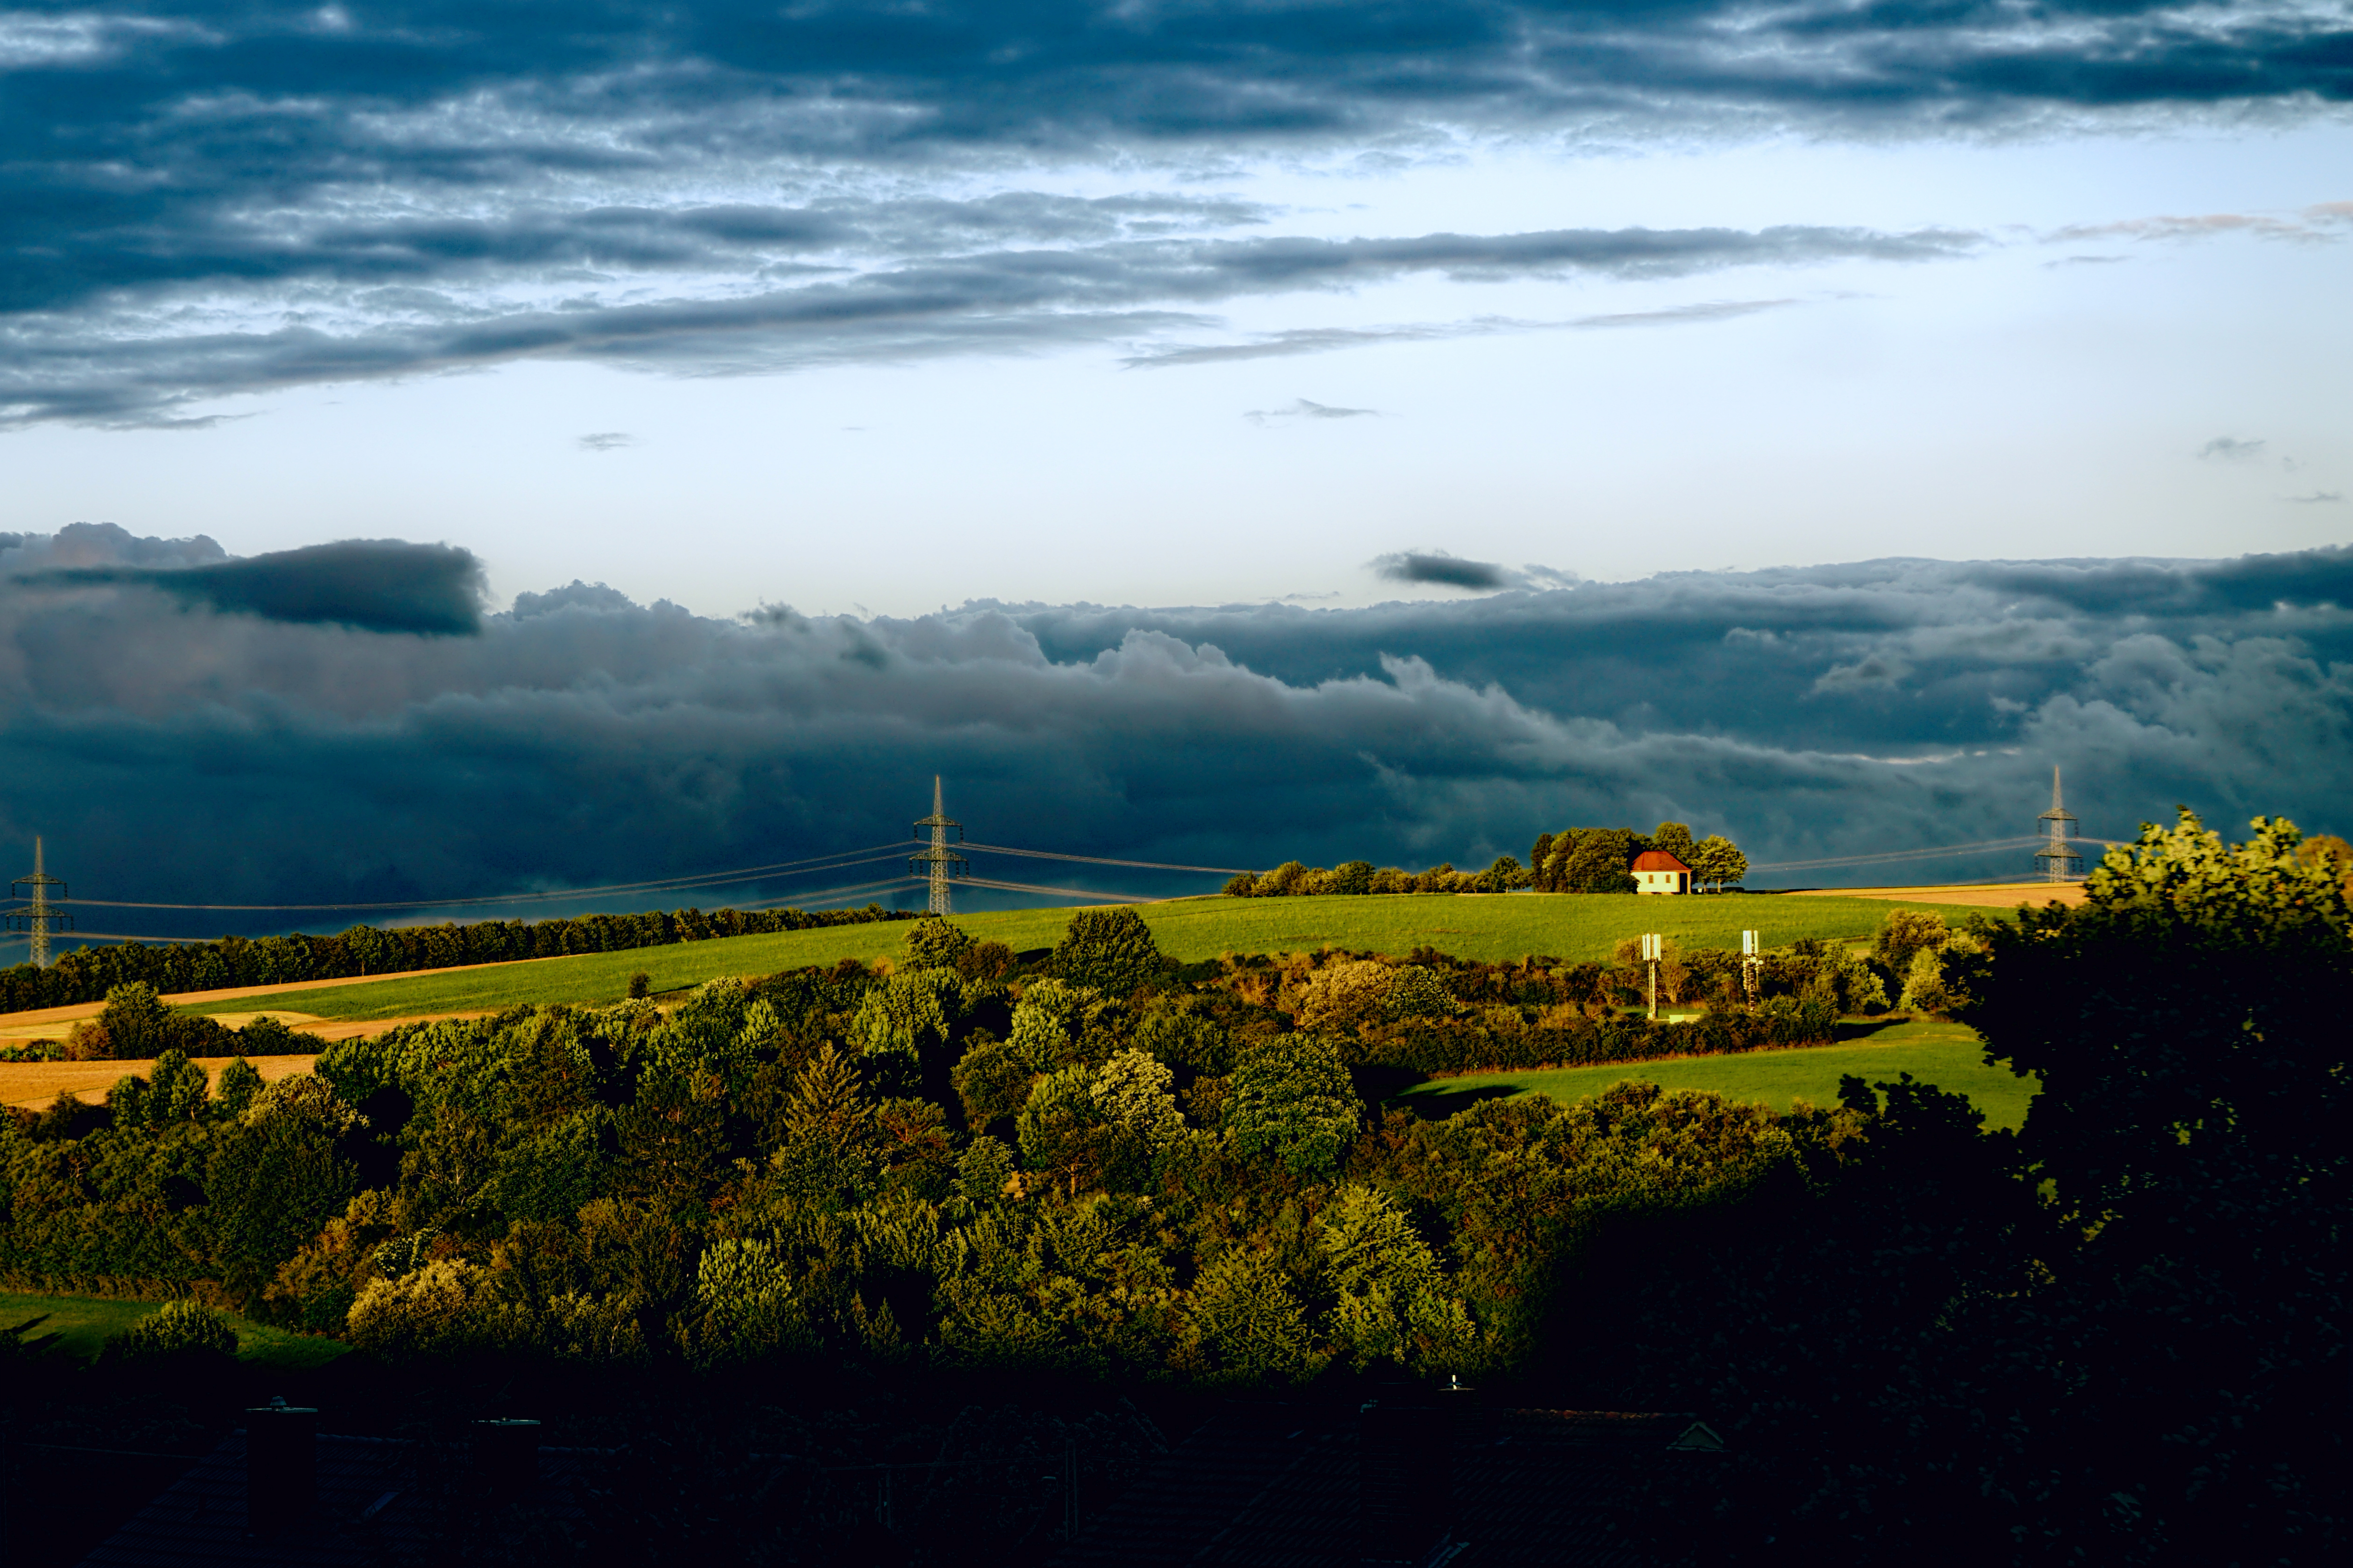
(582, 739)
(374, 585)
(1439, 570)
(972, 302)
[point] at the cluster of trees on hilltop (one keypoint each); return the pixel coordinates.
(2114, 1337)
(1597, 860)
(1575, 860)
(87, 974)
(1293, 879)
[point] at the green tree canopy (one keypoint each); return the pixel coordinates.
(1716, 860)
(934, 944)
(1291, 1098)
(1906, 932)
(1676, 838)
(1110, 950)
(136, 1022)
(1599, 863)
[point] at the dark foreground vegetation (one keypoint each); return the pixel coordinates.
(990, 1211)
(87, 974)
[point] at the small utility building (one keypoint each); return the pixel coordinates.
(1656, 871)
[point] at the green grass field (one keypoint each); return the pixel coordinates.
(1564, 926)
(83, 1322)
(1945, 1055)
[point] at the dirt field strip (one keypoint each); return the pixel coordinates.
(27, 1025)
(2009, 896)
(36, 1083)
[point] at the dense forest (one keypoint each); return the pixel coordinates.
(1573, 860)
(2113, 1337)
(87, 974)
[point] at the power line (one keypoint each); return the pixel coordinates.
(116, 937)
(1985, 846)
(664, 885)
(1063, 892)
(1101, 860)
(799, 898)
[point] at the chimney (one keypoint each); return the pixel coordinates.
(1405, 1490)
(281, 1465)
(506, 1459)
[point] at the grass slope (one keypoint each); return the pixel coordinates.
(1565, 926)
(1945, 1055)
(83, 1322)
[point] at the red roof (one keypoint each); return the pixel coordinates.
(1658, 859)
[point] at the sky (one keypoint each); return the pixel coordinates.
(1206, 433)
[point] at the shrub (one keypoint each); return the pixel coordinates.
(641, 985)
(1924, 982)
(306, 1095)
(442, 1308)
(180, 1328)
(1344, 997)
(1417, 993)
(1906, 933)
(267, 1036)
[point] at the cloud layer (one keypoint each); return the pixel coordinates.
(202, 200)
(372, 585)
(778, 288)
(174, 753)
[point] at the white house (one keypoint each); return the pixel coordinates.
(1656, 871)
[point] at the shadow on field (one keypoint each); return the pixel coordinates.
(1438, 1107)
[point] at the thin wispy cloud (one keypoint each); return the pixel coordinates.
(606, 441)
(1300, 408)
(955, 301)
(2321, 222)
(2230, 448)
(1326, 339)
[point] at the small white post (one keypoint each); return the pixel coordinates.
(1652, 944)
(1750, 951)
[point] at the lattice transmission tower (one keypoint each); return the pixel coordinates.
(2057, 859)
(939, 863)
(40, 914)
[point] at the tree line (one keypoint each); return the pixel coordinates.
(2113, 1337)
(1573, 860)
(88, 973)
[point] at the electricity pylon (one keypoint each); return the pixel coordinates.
(39, 915)
(938, 863)
(2057, 859)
